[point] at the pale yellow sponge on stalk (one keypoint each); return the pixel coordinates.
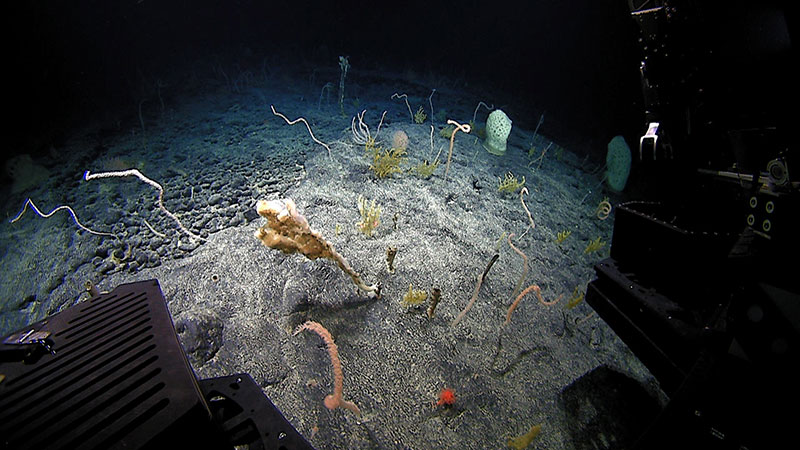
(288, 231)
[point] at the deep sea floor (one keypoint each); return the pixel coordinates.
(212, 142)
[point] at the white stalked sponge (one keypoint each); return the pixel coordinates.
(498, 127)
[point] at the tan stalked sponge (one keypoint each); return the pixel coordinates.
(288, 231)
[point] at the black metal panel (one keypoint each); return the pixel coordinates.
(247, 417)
(118, 377)
(678, 250)
(660, 332)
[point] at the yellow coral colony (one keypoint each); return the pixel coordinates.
(414, 297)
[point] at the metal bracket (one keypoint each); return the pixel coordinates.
(651, 135)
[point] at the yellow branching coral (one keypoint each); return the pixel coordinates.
(387, 162)
(371, 145)
(370, 215)
(562, 236)
(576, 298)
(414, 297)
(510, 183)
(447, 131)
(426, 169)
(420, 116)
(594, 246)
(522, 442)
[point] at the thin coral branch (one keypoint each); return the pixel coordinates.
(301, 119)
(55, 210)
(477, 290)
(527, 211)
(135, 173)
(524, 265)
(361, 134)
(466, 129)
(405, 97)
(334, 400)
(529, 289)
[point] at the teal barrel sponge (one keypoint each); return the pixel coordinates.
(618, 164)
(498, 127)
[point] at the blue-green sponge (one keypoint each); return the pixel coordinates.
(618, 164)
